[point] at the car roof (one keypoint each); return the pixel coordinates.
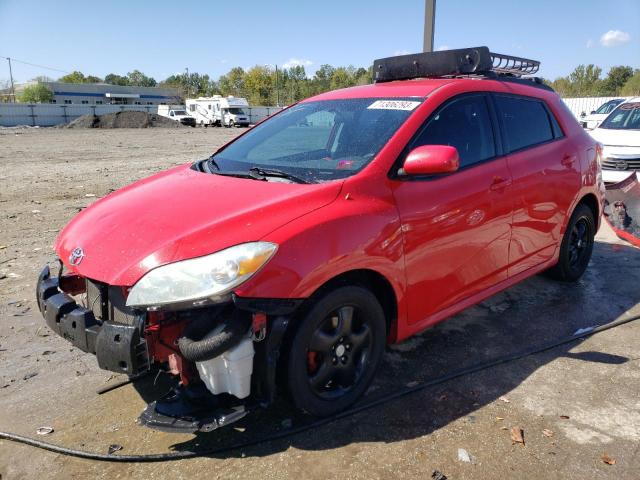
(421, 88)
(399, 89)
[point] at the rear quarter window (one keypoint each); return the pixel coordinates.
(525, 122)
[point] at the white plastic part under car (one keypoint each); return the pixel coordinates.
(231, 371)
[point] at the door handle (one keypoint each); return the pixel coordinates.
(499, 183)
(568, 160)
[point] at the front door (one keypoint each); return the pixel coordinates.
(456, 227)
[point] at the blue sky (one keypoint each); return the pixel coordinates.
(163, 37)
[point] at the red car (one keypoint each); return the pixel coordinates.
(356, 218)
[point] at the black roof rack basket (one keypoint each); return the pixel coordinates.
(463, 61)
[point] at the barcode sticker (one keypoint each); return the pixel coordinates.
(393, 105)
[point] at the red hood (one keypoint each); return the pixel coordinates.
(180, 214)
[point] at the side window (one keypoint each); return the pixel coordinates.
(525, 122)
(465, 124)
(557, 131)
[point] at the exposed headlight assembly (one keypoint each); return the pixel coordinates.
(201, 279)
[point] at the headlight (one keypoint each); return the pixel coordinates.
(201, 278)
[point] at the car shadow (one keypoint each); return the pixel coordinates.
(533, 313)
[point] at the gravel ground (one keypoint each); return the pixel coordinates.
(584, 395)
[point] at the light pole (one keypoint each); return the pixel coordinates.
(429, 24)
(277, 88)
(13, 92)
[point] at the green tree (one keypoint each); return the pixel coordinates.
(139, 79)
(114, 79)
(615, 80)
(563, 86)
(73, 77)
(233, 83)
(259, 82)
(586, 80)
(322, 79)
(632, 86)
(79, 77)
(38, 93)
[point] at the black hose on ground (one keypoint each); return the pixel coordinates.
(163, 457)
(195, 348)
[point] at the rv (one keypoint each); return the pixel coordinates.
(219, 111)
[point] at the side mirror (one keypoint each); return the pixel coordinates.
(593, 112)
(431, 160)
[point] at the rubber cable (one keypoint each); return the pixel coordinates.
(168, 456)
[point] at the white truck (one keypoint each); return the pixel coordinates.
(219, 111)
(177, 113)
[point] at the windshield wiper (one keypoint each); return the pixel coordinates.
(272, 172)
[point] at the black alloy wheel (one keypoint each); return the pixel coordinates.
(576, 247)
(336, 351)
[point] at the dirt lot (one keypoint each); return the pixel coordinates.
(586, 392)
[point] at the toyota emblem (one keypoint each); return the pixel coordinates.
(621, 165)
(76, 256)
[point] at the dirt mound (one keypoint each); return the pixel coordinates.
(131, 119)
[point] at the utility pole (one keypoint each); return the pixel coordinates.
(277, 88)
(429, 24)
(188, 81)
(13, 92)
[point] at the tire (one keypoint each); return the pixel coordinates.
(348, 329)
(576, 246)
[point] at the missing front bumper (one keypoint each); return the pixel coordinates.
(119, 348)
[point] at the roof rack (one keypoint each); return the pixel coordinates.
(452, 63)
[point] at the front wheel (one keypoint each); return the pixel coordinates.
(336, 351)
(576, 246)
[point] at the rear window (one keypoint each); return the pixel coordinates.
(525, 122)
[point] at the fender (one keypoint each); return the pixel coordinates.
(341, 244)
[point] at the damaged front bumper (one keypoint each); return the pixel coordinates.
(129, 342)
(118, 347)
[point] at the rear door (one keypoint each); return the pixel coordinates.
(546, 176)
(456, 227)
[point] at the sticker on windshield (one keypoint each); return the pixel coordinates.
(393, 105)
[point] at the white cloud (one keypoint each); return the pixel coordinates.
(591, 43)
(297, 62)
(443, 47)
(613, 38)
(401, 52)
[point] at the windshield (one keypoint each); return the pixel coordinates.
(180, 112)
(319, 141)
(236, 111)
(625, 117)
(608, 107)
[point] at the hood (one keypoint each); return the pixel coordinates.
(617, 138)
(180, 214)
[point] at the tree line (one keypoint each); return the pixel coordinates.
(264, 85)
(587, 81)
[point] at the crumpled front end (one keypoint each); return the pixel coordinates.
(223, 355)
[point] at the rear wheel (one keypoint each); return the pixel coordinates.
(336, 351)
(576, 247)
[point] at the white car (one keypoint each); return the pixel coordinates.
(619, 134)
(594, 119)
